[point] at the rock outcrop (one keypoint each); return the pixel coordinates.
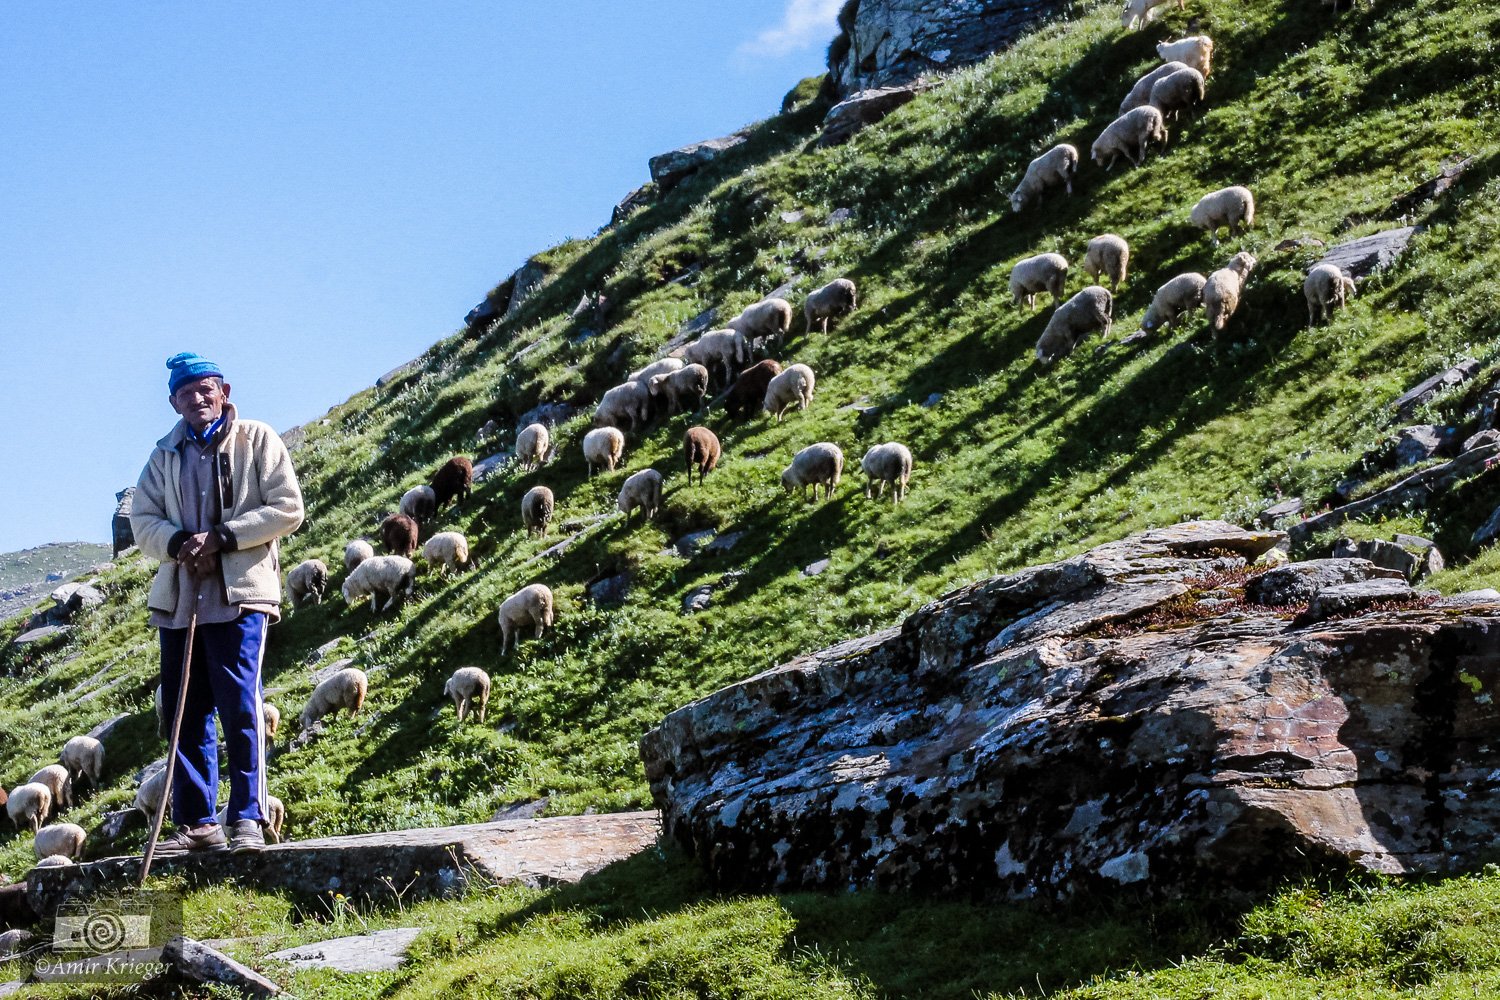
(890, 42)
(1116, 718)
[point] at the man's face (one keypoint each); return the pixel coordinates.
(201, 401)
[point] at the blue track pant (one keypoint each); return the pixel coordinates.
(224, 676)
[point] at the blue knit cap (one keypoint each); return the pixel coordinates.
(186, 367)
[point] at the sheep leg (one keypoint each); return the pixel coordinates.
(484, 704)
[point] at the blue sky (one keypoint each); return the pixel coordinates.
(311, 194)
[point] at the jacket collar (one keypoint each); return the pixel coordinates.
(178, 435)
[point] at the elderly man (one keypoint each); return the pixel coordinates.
(216, 495)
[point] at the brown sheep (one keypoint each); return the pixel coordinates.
(452, 482)
(398, 533)
(748, 393)
(701, 446)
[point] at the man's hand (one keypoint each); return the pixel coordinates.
(203, 565)
(201, 544)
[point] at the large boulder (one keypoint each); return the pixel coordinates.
(864, 108)
(1297, 583)
(671, 168)
(1098, 722)
(1363, 257)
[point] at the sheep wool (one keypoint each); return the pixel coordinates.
(1056, 166)
(766, 321)
(624, 406)
(60, 839)
(531, 446)
(307, 581)
(793, 386)
(453, 481)
(529, 607)
(467, 686)
(1108, 256)
(357, 552)
(663, 367)
(536, 510)
(1326, 288)
(419, 503)
(1221, 294)
(1131, 136)
(1196, 51)
(274, 820)
(1231, 207)
(1139, 13)
(641, 491)
(55, 861)
(701, 448)
(84, 755)
(270, 719)
(820, 464)
(823, 305)
(683, 389)
(447, 550)
(380, 578)
(603, 446)
(1177, 92)
(748, 393)
(719, 350)
(1140, 91)
(345, 689)
(1174, 301)
(28, 806)
(148, 797)
(59, 782)
(1045, 272)
(887, 463)
(1091, 309)
(398, 533)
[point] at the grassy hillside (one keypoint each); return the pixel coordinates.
(29, 575)
(1324, 117)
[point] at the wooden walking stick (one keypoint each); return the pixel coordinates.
(166, 794)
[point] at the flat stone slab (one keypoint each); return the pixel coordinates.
(381, 951)
(422, 863)
(1363, 257)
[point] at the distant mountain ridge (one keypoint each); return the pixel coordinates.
(28, 575)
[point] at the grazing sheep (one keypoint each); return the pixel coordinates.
(398, 533)
(1089, 310)
(61, 840)
(820, 464)
(663, 367)
(887, 463)
(274, 820)
(419, 503)
(603, 446)
(529, 607)
(794, 385)
(835, 299)
(531, 446)
(357, 552)
(345, 689)
(1174, 301)
(1056, 166)
(1221, 295)
(748, 393)
(767, 320)
(1140, 91)
(625, 406)
(55, 861)
(84, 755)
(453, 481)
(270, 717)
(489, 430)
(308, 579)
(722, 350)
(1176, 92)
(1327, 288)
(536, 510)
(28, 806)
(1129, 135)
(1108, 256)
(1196, 51)
(465, 686)
(641, 491)
(1231, 207)
(1045, 272)
(59, 782)
(1139, 13)
(688, 383)
(447, 549)
(701, 446)
(380, 577)
(148, 797)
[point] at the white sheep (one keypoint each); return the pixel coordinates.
(60, 839)
(419, 503)
(529, 607)
(794, 385)
(1196, 51)
(1232, 207)
(29, 806)
(1327, 288)
(59, 782)
(835, 299)
(84, 755)
(624, 406)
(1056, 166)
(148, 797)
(1108, 256)
(536, 510)
(820, 464)
(55, 861)
(357, 552)
(1089, 310)
(531, 446)
(344, 689)
(1174, 301)
(1221, 295)
(275, 818)
(1045, 272)
(767, 320)
(380, 577)
(1139, 13)
(1130, 135)
(447, 550)
(663, 367)
(1176, 92)
(467, 685)
(687, 384)
(270, 717)
(1140, 91)
(887, 463)
(641, 491)
(604, 446)
(307, 579)
(719, 350)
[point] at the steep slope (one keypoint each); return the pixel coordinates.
(30, 574)
(1324, 117)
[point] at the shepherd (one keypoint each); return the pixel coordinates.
(213, 500)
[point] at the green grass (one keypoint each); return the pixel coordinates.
(1322, 117)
